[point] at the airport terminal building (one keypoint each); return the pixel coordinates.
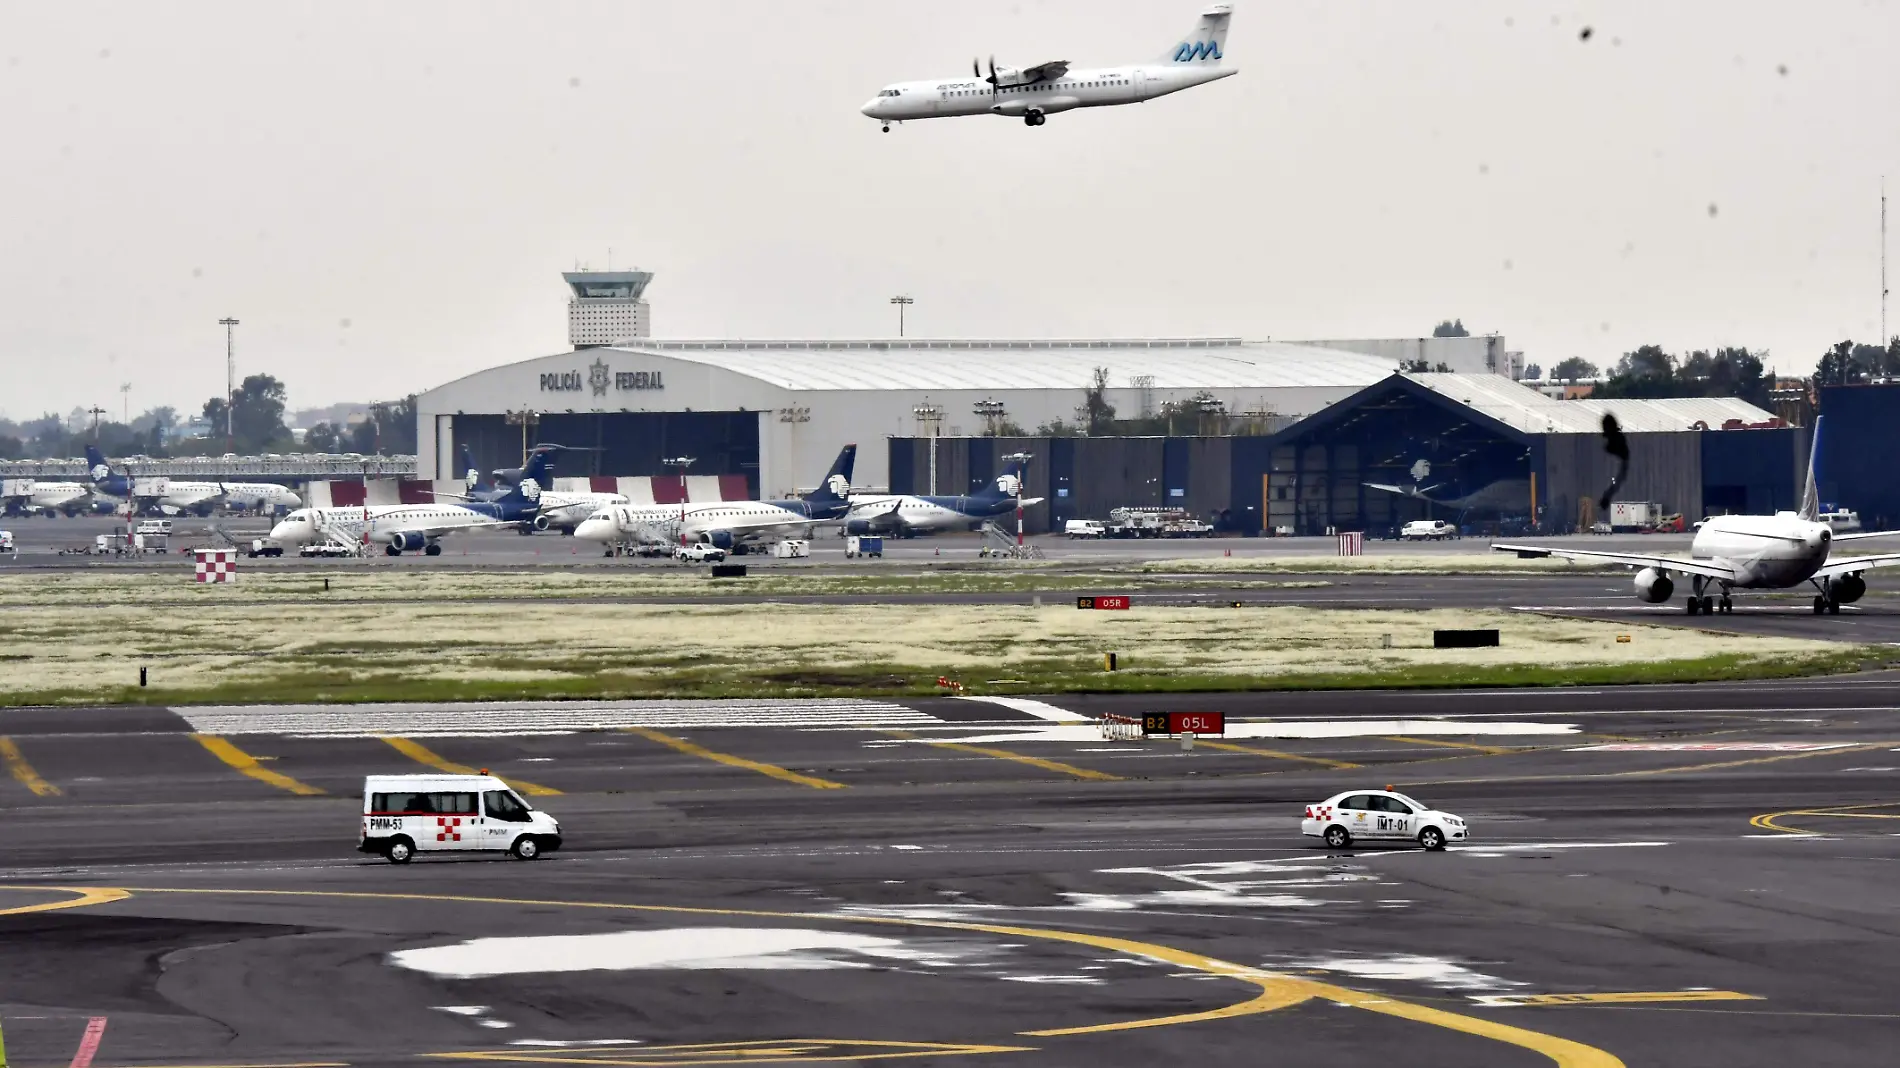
(777, 412)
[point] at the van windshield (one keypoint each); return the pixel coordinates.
(503, 805)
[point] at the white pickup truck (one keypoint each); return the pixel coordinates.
(699, 553)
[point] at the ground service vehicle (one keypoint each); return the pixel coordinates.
(699, 552)
(864, 545)
(1427, 530)
(1084, 528)
(1379, 815)
(790, 549)
(260, 547)
(407, 814)
(6, 543)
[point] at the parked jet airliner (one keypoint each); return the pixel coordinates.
(1034, 93)
(1750, 552)
(416, 527)
(727, 524)
(905, 515)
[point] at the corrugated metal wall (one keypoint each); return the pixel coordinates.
(1756, 472)
(1664, 468)
(1858, 448)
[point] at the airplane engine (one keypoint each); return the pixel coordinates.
(1653, 586)
(857, 527)
(1847, 589)
(409, 542)
(542, 522)
(720, 539)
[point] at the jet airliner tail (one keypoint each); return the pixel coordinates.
(1007, 484)
(1203, 47)
(836, 488)
(471, 475)
(1811, 493)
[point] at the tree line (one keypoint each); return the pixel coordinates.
(255, 425)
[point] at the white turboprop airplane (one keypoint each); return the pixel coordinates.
(1034, 93)
(1750, 552)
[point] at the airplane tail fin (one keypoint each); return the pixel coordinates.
(471, 475)
(1811, 493)
(1008, 484)
(836, 488)
(96, 465)
(537, 474)
(1203, 47)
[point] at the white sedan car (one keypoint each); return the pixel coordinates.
(1380, 816)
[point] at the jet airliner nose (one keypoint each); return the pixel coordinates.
(870, 108)
(596, 528)
(285, 532)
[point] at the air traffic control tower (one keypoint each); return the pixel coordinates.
(607, 307)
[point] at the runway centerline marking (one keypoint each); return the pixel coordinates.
(728, 759)
(1767, 821)
(755, 1051)
(422, 754)
(1276, 754)
(1277, 991)
(246, 763)
(1019, 758)
(22, 771)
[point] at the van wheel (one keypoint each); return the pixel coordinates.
(399, 851)
(1432, 838)
(526, 848)
(1338, 837)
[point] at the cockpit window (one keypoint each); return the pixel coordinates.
(887, 92)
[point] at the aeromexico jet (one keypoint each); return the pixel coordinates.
(1032, 94)
(562, 511)
(175, 495)
(404, 528)
(1750, 552)
(728, 525)
(904, 515)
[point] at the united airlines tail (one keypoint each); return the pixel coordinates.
(1203, 47)
(835, 490)
(1811, 493)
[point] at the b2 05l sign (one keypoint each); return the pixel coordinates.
(1184, 723)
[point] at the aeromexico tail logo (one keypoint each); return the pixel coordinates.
(530, 489)
(1193, 50)
(1010, 485)
(839, 486)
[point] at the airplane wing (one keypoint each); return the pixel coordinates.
(1848, 565)
(1707, 568)
(1046, 72)
(1405, 491)
(1857, 535)
(436, 532)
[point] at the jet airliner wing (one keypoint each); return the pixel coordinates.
(1848, 565)
(1707, 568)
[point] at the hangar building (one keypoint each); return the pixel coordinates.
(1467, 448)
(777, 412)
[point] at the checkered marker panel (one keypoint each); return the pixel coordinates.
(448, 828)
(214, 565)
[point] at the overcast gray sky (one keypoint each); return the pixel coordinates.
(386, 194)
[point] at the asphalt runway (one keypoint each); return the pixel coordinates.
(1683, 875)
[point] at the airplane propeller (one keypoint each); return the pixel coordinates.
(1618, 446)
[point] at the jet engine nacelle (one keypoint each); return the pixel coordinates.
(857, 527)
(542, 522)
(408, 542)
(718, 539)
(1654, 586)
(1847, 589)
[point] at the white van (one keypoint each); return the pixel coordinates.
(407, 814)
(1428, 530)
(1084, 528)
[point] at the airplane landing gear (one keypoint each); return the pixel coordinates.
(1034, 118)
(1726, 606)
(1704, 606)
(887, 127)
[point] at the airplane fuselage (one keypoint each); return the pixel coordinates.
(1101, 87)
(1768, 552)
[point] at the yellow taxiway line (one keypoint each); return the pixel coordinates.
(422, 754)
(773, 770)
(1276, 754)
(246, 763)
(1767, 820)
(1016, 758)
(18, 767)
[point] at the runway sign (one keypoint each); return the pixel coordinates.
(1112, 602)
(1712, 747)
(1184, 723)
(1464, 639)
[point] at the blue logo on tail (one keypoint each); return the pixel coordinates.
(1189, 52)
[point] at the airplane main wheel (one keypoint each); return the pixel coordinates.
(1694, 604)
(1820, 605)
(1834, 608)
(1727, 606)
(1708, 606)
(432, 549)
(391, 550)
(887, 127)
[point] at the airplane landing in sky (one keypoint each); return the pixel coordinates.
(1034, 93)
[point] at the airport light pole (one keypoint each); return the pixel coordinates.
(1022, 458)
(681, 464)
(230, 382)
(992, 413)
(524, 420)
(932, 416)
(902, 302)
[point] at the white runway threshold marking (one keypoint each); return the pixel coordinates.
(1038, 709)
(478, 719)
